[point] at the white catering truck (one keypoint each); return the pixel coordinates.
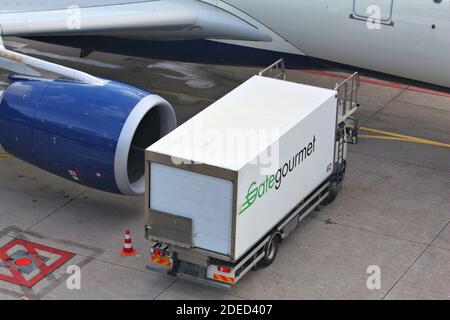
(226, 187)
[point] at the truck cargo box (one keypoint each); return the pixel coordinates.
(221, 181)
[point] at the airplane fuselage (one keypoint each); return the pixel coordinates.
(405, 38)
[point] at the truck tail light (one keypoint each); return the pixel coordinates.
(224, 269)
(161, 256)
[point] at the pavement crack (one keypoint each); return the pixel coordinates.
(165, 289)
(53, 212)
(383, 107)
(327, 221)
(415, 261)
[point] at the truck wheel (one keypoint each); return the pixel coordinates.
(333, 189)
(270, 251)
(332, 196)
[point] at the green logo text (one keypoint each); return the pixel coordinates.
(258, 190)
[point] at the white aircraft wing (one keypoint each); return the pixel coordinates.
(153, 20)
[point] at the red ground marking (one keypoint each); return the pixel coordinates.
(380, 83)
(23, 262)
(17, 277)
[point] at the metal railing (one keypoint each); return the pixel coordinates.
(348, 94)
(277, 70)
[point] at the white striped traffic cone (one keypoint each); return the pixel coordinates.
(128, 250)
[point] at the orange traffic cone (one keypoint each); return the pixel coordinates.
(128, 250)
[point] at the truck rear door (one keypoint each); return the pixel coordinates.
(205, 201)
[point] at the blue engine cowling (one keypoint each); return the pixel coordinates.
(94, 135)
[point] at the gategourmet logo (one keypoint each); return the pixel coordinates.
(259, 190)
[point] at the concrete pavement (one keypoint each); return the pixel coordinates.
(394, 211)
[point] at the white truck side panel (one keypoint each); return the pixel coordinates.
(207, 200)
(260, 204)
(279, 112)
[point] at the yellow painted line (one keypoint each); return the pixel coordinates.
(182, 95)
(368, 136)
(399, 137)
(386, 134)
(395, 135)
(4, 155)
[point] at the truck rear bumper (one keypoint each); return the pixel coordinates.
(189, 272)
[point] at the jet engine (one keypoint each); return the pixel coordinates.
(92, 134)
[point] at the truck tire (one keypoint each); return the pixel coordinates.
(332, 196)
(270, 250)
(333, 189)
